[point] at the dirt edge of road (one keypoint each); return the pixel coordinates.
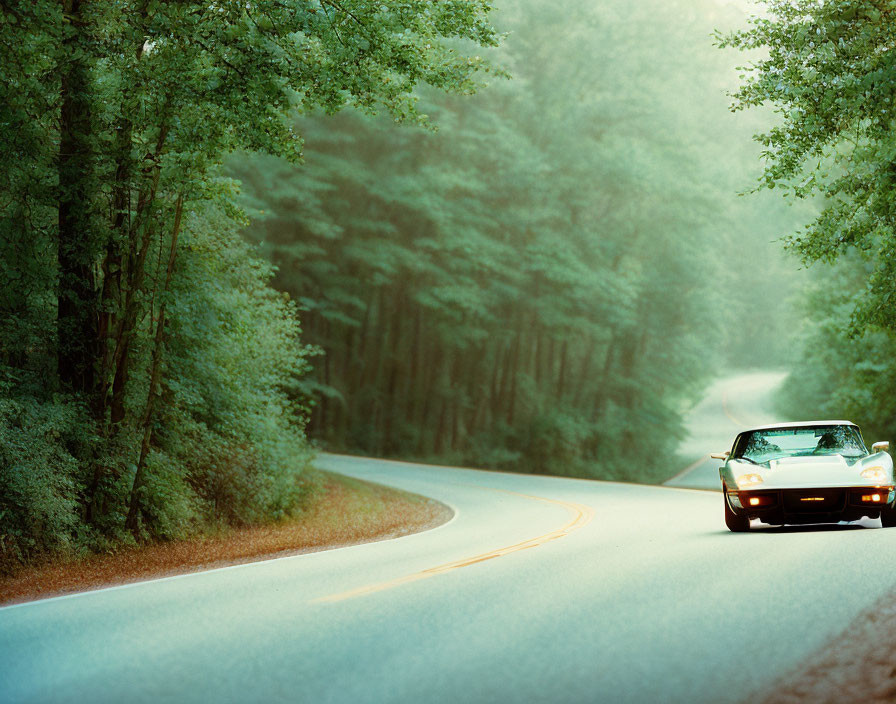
(346, 511)
(858, 665)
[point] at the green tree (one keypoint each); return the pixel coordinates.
(829, 71)
(536, 286)
(838, 374)
(115, 117)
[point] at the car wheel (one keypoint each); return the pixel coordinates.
(887, 517)
(735, 523)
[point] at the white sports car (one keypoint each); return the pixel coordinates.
(813, 472)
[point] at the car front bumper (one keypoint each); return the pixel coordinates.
(811, 505)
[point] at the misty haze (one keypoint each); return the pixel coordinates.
(374, 351)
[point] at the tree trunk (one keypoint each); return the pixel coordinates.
(561, 379)
(154, 379)
(585, 374)
(457, 398)
(600, 400)
(503, 402)
(537, 354)
(323, 416)
(415, 377)
(393, 366)
(77, 244)
(136, 273)
(357, 364)
(115, 261)
(477, 388)
(427, 391)
(494, 386)
(513, 372)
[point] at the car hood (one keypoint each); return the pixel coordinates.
(794, 472)
(815, 472)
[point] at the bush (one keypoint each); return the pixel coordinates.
(555, 444)
(39, 477)
(228, 445)
(230, 441)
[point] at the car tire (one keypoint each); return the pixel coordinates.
(888, 517)
(735, 523)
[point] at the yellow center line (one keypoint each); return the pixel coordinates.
(728, 413)
(581, 516)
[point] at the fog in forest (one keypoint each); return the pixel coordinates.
(549, 277)
(524, 238)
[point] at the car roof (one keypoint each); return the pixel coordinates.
(801, 424)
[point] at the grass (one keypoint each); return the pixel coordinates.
(345, 511)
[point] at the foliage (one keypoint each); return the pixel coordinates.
(536, 286)
(829, 71)
(235, 364)
(39, 476)
(133, 317)
(843, 375)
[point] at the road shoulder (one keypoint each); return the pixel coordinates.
(858, 665)
(347, 511)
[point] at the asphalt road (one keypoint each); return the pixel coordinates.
(539, 590)
(731, 404)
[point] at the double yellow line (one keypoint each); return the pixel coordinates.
(580, 514)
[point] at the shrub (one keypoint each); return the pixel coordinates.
(39, 477)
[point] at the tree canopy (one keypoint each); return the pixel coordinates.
(530, 277)
(830, 71)
(538, 285)
(151, 379)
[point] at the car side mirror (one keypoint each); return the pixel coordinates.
(724, 455)
(882, 446)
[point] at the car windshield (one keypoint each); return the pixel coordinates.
(814, 440)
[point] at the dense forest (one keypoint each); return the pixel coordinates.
(544, 283)
(431, 229)
(150, 378)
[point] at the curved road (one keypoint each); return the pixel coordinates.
(539, 590)
(730, 405)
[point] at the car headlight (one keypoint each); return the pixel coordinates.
(748, 480)
(875, 474)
